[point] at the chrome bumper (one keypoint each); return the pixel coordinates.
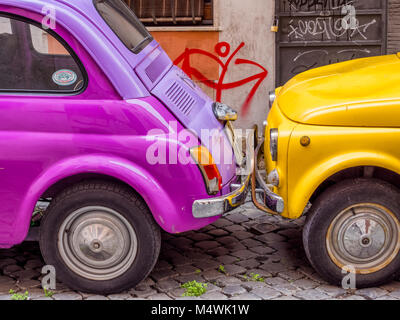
(271, 200)
(213, 207)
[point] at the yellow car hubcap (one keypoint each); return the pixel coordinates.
(364, 237)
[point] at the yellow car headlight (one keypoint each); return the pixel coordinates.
(273, 144)
(272, 97)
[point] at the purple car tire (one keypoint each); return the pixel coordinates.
(107, 240)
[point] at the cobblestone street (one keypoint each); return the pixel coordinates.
(245, 243)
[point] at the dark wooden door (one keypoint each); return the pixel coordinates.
(314, 33)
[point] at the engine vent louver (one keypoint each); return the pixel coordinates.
(180, 98)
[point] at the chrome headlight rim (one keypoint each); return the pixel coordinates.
(273, 143)
(272, 97)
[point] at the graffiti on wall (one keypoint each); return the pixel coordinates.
(331, 27)
(320, 4)
(309, 59)
(226, 59)
(315, 33)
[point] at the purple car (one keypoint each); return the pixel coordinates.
(97, 123)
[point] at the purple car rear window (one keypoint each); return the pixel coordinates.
(124, 23)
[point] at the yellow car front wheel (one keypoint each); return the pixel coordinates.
(364, 236)
(355, 226)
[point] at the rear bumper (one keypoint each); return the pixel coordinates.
(213, 207)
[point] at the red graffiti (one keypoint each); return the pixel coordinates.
(222, 50)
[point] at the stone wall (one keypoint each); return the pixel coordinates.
(249, 22)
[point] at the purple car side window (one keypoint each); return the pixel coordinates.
(36, 60)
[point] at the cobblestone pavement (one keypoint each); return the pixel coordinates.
(246, 242)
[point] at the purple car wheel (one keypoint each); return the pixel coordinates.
(100, 237)
(97, 243)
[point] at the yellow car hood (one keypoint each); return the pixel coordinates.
(363, 92)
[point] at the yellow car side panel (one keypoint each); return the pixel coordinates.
(333, 149)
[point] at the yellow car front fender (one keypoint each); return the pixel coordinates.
(332, 150)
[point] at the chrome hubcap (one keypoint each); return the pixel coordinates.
(97, 243)
(364, 236)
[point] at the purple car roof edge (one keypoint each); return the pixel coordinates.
(85, 6)
(133, 59)
(80, 18)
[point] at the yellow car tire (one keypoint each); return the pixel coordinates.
(353, 228)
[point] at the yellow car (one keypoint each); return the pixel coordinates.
(332, 153)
